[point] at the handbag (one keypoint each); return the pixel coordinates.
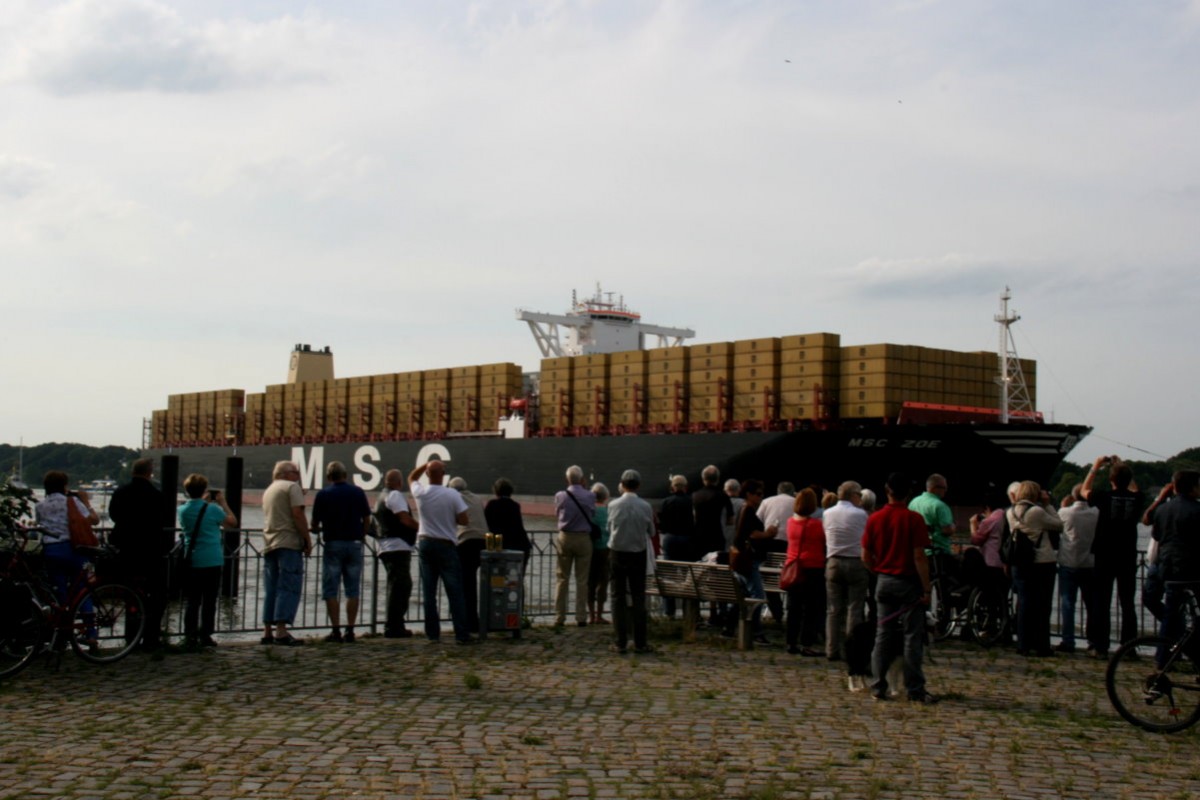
(181, 555)
(791, 575)
(79, 526)
(593, 529)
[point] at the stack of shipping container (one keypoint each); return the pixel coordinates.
(751, 382)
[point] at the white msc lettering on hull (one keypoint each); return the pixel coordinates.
(312, 468)
(368, 476)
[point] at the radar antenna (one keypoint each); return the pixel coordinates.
(1014, 393)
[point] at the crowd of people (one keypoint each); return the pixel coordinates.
(849, 563)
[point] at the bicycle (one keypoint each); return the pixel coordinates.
(1154, 682)
(102, 620)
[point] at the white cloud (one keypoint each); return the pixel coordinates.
(20, 176)
(88, 46)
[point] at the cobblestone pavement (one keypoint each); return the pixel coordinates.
(555, 715)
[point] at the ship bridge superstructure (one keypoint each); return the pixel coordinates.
(598, 324)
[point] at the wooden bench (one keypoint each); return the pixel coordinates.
(769, 570)
(695, 583)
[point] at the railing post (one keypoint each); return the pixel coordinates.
(232, 539)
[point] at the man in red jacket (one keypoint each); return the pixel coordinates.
(893, 547)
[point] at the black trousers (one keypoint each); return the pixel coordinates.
(1123, 572)
(629, 596)
(398, 565)
(202, 588)
(469, 556)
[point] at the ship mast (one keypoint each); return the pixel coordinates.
(1014, 394)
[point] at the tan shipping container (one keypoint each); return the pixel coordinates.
(710, 350)
(808, 340)
(756, 346)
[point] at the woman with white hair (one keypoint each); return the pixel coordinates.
(1035, 517)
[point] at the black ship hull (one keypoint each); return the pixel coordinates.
(972, 456)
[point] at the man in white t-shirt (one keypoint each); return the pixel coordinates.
(774, 512)
(441, 511)
(397, 535)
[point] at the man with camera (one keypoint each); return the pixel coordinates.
(1115, 548)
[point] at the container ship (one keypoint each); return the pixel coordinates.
(802, 408)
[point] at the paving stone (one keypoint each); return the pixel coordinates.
(557, 717)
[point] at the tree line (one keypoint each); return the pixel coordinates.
(82, 462)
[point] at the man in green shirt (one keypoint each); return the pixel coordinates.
(938, 517)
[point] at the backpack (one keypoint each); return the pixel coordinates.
(386, 525)
(1017, 549)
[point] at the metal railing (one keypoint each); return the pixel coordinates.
(239, 610)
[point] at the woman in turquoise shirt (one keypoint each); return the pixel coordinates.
(201, 522)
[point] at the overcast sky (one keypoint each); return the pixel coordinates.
(188, 189)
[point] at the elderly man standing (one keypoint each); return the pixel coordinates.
(286, 541)
(471, 541)
(846, 579)
(143, 542)
(774, 512)
(1076, 566)
(442, 510)
(342, 515)
(630, 525)
(397, 536)
(575, 507)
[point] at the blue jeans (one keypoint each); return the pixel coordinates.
(344, 562)
(439, 559)
(283, 580)
(753, 586)
(899, 632)
(1073, 581)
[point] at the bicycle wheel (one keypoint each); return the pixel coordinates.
(987, 619)
(1159, 700)
(107, 623)
(944, 622)
(24, 630)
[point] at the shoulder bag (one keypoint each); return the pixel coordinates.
(792, 574)
(79, 526)
(593, 529)
(181, 554)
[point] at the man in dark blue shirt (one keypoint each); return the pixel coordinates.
(1177, 531)
(342, 515)
(1115, 548)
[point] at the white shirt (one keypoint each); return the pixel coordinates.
(395, 503)
(844, 524)
(777, 510)
(438, 506)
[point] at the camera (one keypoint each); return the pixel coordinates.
(212, 494)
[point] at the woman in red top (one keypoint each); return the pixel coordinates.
(806, 598)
